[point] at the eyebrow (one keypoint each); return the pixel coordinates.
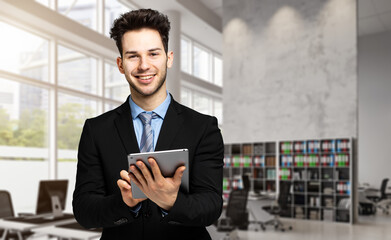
(150, 50)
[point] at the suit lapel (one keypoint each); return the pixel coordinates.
(172, 123)
(124, 125)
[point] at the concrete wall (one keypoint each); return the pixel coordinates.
(374, 78)
(290, 69)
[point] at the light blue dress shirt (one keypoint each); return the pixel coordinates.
(156, 123)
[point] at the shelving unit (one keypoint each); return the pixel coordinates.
(321, 172)
(258, 160)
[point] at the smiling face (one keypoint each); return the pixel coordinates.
(144, 62)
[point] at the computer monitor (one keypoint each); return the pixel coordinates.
(51, 196)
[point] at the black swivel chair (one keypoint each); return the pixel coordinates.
(236, 213)
(7, 211)
(385, 199)
(280, 208)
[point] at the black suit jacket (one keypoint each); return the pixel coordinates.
(104, 145)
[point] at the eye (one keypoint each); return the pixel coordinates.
(153, 54)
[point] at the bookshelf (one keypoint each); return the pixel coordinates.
(321, 173)
(258, 160)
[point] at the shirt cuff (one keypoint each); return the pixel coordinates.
(164, 213)
(135, 210)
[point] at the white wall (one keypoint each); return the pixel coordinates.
(290, 69)
(374, 76)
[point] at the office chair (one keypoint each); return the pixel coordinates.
(7, 211)
(247, 187)
(236, 214)
(279, 208)
(384, 201)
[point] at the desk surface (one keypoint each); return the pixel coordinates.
(21, 225)
(75, 233)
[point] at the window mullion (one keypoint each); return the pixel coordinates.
(53, 106)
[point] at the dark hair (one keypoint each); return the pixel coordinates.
(137, 19)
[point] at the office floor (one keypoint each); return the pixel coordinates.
(375, 227)
(313, 230)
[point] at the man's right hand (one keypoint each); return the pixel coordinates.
(126, 190)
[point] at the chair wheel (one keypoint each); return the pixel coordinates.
(290, 227)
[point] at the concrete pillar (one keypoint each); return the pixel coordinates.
(174, 44)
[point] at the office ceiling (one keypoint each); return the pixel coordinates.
(374, 16)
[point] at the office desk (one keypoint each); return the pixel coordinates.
(72, 231)
(20, 224)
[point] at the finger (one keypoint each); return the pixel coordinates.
(134, 178)
(138, 175)
(123, 185)
(125, 175)
(145, 171)
(157, 174)
(178, 174)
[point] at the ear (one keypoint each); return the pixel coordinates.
(119, 64)
(170, 59)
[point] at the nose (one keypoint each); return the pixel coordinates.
(143, 64)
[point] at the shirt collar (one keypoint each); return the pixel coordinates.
(161, 110)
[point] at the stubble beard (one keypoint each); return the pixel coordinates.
(139, 91)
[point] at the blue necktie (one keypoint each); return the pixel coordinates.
(146, 143)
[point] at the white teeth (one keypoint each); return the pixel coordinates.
(146, 77)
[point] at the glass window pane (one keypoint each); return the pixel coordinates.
(76, 70)
(218, 71)
(201, 63)
(23, 141)
(185, 52)
(82, 11)
(116, 85)
(110, 106)
(186, 97)
(113, 9)
(23, 53)
(72, 113)
(218, 110)
(201, 103)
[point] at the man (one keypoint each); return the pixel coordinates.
(103, 196)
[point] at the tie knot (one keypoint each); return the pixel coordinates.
(146, 117)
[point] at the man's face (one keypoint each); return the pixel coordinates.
(144, 61)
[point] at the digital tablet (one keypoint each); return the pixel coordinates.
(168, 162)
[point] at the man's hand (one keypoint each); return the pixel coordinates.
(162, 191)
(126, 190)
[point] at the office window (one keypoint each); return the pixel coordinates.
(76, 70)
(185, 55)
(202, 103)
(82, 11)
(23, 53)
(186, 97)
(72, 112)
(111, 106)
(201, 64)
(218, 71)
(23, 119)
(113, 9)
(115, 83)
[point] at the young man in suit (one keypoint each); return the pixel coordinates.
(103, 196)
